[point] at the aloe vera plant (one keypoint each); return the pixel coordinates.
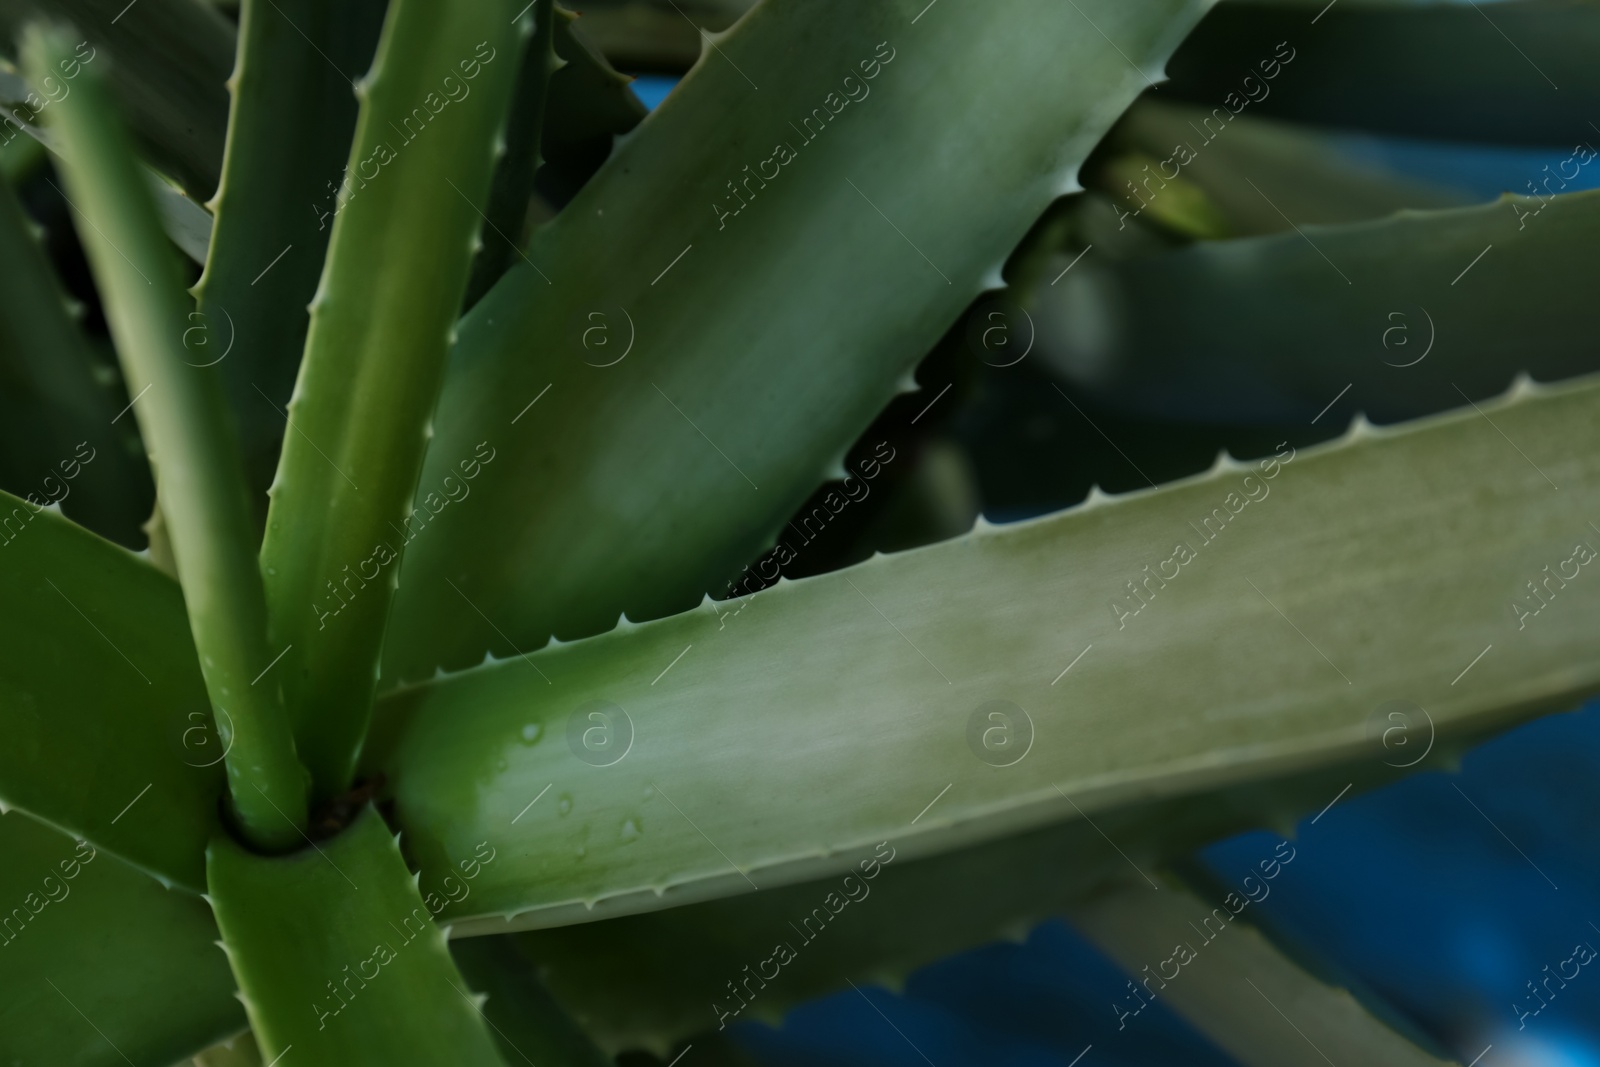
(461, 686)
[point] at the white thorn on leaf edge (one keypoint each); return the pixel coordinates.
(1360, 428)
(1225, 463)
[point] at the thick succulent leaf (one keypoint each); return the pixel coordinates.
(188, 225)
(506, 213)
(337, 956)
(57, 435)
(1231, 982)
(185, 424)
(186, 222)
(657, 34)
(734, 417)
(168, 61)
(649, 980)
(432, 112)
(293, 113)
(1279, 632)
(239, 1051)
(19, 156)
(529, 1026)
(102, 966)
(1513, 73)
(1311, 182)
(590, 106)
(1403, 310)
(109, 731)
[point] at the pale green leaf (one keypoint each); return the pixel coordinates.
(193, 444)
(1232, 984)
(432, 110)
(785, 737)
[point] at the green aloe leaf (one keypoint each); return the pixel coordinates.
(186, 222)
(432, 110)
(168, 61)
(103, 967)
(1513, 73)
(512, 188)
(1203, 959)
(338, 958)
(573, 760)
(529, 1026)
(590, 106)
(1277, 327)
(656, 35)
(1230, 165)
(293, 113)
(187, 428)
(240, 1051)
(20, 158)
(110, 733)
(646, 981)
(733, 416)
(59, 416)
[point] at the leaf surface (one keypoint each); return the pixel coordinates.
(102, 966)
(337, 956)
(1232, 984)
(1443, 70)
(646, 981)
(703, 756)
(1309, 179)
(110, 732)
(655, 302)
(528, 1025)
(169, 62)
(590, 106)
(185, 424)
(1408, 311)
(292, 116)
(512, 187)
(433, 107)
(56, 414)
